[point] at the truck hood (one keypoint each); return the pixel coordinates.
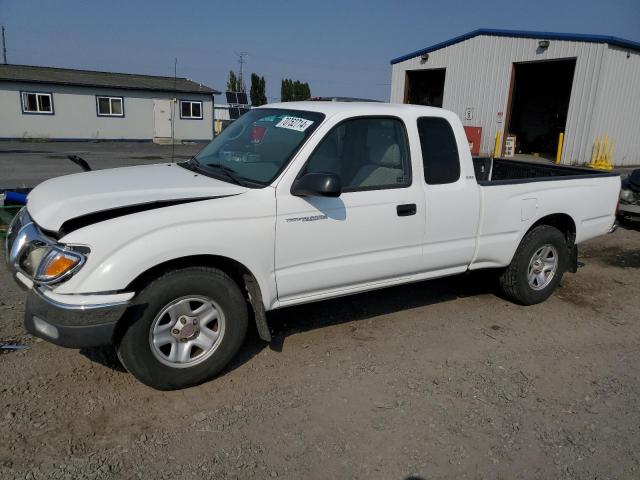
(61, 199)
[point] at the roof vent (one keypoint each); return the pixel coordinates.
(543, 44)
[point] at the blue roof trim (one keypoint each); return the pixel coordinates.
(576, 37)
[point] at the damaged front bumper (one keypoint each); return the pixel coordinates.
(73, 325)
(81, 320)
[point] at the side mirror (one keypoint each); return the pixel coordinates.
(317, 185)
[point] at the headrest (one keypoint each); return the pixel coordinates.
(389, 157)
(383, 149)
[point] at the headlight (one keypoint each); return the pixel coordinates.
(32, 256)
(48, 264)
(57, 264)
(627, 195)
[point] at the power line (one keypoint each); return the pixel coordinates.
(174, 100)
(4, 47)
(241, 61)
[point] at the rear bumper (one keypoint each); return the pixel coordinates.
(74, 326)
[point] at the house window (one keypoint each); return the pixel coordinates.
(110, 106)
(35, 102)
(190, 110)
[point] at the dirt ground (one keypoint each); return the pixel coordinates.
(439, 379)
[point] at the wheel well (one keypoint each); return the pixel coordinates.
(236, 270)
(562, 222)
(231, 267)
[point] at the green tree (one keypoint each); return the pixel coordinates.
(233, 83)
(257, 90)
(291, 91)
(285, 90)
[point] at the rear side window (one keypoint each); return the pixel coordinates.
(439, 151)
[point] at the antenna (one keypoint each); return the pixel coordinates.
(241, 61)
(4, 47)
(173, 106)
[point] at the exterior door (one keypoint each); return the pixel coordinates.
(373, 232)
(162, 118)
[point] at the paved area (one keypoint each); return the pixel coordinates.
(26, 164)
(435, 380)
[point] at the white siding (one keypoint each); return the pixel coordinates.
(479, 73)
(617, 107)
(75, 115)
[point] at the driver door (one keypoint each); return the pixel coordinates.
(370, 234)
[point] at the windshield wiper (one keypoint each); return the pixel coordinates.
(228, 172)
(190, 164)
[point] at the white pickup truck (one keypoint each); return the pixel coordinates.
(293, 203)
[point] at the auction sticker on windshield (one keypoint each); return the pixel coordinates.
(295, 123)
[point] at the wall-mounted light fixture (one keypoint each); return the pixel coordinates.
(543, 44)
(424, 57)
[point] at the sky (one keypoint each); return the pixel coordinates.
(341, 48)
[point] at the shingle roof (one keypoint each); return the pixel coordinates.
(88, 78)
(576, 37)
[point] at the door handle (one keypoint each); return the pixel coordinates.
(406, 209)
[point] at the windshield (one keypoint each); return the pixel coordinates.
(254, 149)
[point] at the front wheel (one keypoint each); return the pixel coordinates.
(537, 266)
(193, 321)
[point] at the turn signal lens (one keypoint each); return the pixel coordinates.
(59, 265)
(56, 264)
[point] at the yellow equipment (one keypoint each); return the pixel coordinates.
(602, 154)
(496, 146)
(559, 152)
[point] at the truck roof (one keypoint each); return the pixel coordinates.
(356, 108)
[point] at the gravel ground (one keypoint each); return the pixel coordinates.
(439, 379)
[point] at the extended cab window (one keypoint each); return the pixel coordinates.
(367, 153)
(439, 151)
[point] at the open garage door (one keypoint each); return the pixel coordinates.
(425, 87)
(539, 105)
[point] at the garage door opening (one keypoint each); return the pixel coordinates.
(539, 105)
(425, 87)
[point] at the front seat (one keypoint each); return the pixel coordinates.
(385, 163)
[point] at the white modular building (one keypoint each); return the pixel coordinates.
(65, 104)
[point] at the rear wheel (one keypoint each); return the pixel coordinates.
(537, 266)
(192, 323)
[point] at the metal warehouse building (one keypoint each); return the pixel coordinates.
(531, 86)
(65, 104)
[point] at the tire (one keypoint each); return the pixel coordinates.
(200, 312)
(517, 281)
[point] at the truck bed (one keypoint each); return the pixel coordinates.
(492, 171)
(515, 194)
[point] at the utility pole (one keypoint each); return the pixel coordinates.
(4, 47)
(241, 61)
